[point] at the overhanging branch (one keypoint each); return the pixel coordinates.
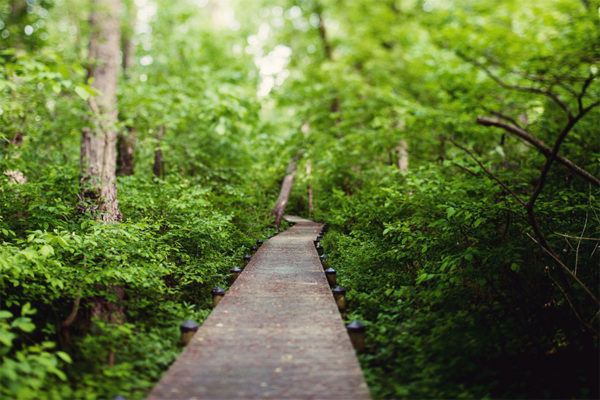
(538, 144)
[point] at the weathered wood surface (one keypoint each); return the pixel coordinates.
(277, 334)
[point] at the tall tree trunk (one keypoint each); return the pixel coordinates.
(126, 138)
(98, 155)
(402, 152)
(98, 142)
(286, 189)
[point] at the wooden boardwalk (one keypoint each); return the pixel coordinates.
(277, 334)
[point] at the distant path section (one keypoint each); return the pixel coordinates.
(277, 333)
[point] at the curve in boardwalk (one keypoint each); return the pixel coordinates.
(276, 334)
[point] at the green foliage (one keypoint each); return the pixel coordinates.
(453, 294)
(438, 259)
(29, 370)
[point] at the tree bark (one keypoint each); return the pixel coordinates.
(126, 139)
(127, 38)
(98, 142)
(309, 191)
(158, 169)
(286, 189)
(402, 151)
(125, 149)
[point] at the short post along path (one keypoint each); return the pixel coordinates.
(276, 334)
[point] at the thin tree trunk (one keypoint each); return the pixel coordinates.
(125, 149)
(309, 191)
(159, 169)
(402, 151)
(334, 107)
(127, 43)
(286, 189)
(126, 139)
(98, 142)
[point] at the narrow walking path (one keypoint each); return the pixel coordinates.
(276, 334)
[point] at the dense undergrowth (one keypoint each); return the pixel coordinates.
(454, 294)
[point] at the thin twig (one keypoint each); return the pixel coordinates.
(569, 244)
(586, 84)
(559, 262)
(587, 213)
(576, 237)
(571, 305)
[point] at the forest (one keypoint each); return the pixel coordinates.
(452, 147)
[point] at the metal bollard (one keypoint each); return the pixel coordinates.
(235, 272)
(319, 249)
(320, 236)
(316, 242)
(217, 293)
(253, 249)
(188, 328)
(247, 258)
(356, 331)
(259, 242)
(331, 274)
(324, 261)
(339, 294)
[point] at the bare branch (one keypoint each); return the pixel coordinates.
(586, 84)
(566, 269)
(587, 214)
(588, 108)
(576, 237)
(69, 321)
(541, 146)
(506, 118)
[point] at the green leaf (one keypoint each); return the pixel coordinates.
(450, 211)
(478, 222)
(64, 356)
(47, 251)
(24, 324)
(81, 92)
